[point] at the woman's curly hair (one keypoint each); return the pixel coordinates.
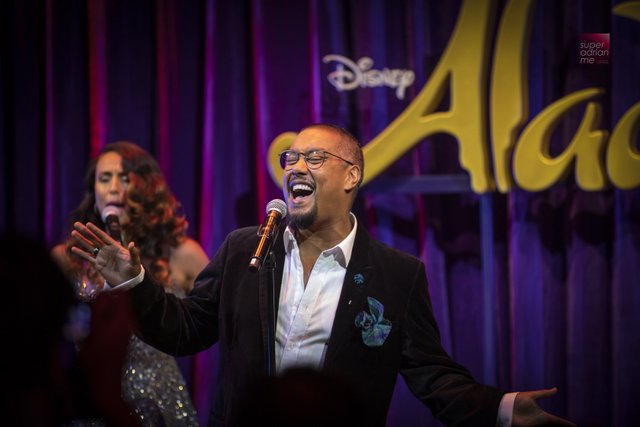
(156, 219)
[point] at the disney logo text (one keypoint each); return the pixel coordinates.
(349, 75)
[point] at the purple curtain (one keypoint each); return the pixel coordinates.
(207, 85)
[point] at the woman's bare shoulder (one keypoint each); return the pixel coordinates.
(188, 248)
(187, 260)
(189, 255)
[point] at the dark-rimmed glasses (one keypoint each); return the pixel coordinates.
(314, 159)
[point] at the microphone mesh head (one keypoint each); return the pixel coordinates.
(110, 210)
(278, 205)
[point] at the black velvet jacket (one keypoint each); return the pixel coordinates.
(229, 305)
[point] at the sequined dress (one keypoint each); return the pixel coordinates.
(152, 385)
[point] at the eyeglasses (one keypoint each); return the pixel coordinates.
(314, 159)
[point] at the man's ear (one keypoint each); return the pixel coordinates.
(353, 178)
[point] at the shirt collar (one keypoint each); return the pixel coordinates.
(342, 250)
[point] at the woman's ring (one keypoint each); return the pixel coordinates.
(95, 251)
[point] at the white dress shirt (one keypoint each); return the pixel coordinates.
(305, 314)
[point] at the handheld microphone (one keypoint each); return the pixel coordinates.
(111, 218)
(276, 210)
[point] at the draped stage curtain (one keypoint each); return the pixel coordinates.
(207, 85)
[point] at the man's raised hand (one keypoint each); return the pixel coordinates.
(113, 261)
(526, 411)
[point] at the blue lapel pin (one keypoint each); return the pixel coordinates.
(358, 279)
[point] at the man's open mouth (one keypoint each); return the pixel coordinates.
(299, 191)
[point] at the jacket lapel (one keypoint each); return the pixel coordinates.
(357, 279)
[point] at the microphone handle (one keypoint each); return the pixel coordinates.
(266, 231)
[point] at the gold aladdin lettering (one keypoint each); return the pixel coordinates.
(598, 159)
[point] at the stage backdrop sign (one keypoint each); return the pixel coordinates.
(495, 104)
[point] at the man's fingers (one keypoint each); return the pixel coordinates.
(82, 241)
(526, 411)
(99, 233)
(544, 393)
(82, 254)
(135, 254)
(88, 234)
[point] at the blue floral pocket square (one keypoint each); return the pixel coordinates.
(375, 328)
